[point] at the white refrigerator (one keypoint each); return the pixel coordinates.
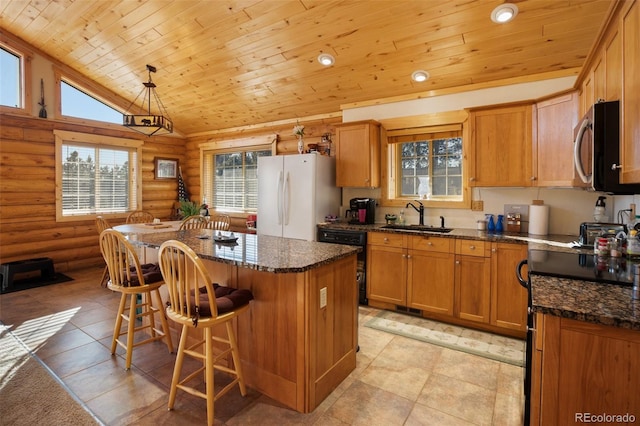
(295, 193)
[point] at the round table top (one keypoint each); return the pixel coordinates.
(172, 225)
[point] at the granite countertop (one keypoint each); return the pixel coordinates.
(259, 252)
(599, 303)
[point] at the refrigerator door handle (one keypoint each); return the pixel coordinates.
(280, 178)
(285, 193)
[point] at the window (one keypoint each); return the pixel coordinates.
(425, 163)
(77, 103)
(231, 179)
(15, 70)
(96, 175)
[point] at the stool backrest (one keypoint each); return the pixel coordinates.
(102, 224)
(194, 222)
(140, 217)
(220, 222)
(185, 276)
(122, 260)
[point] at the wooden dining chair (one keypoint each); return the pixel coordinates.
(193, 222)
(128, 277)
(140, 216)
(101, 225)
(219, 222)
(197, 303)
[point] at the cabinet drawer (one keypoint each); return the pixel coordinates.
(433, 244)
(472, 247)
(385, 239)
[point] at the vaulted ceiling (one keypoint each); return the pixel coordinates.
(224, 64)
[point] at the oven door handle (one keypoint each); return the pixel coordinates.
(524, 283)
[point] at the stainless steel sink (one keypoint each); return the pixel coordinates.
(419, 228)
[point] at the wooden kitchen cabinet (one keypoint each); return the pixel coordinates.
(501, 146)
(473, 280)
(387, 268)
(581, 367)
(556, 119)
(630, 122)
(508, 297)
(430, 281)
(358, 154)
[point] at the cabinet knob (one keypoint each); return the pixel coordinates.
(386, 240)
(408, 256)
(457, 262)
(472, 247)
(472, 179)
(429, 243)
(493, 250)
(404, 256)
(615, 166)
(533, 178)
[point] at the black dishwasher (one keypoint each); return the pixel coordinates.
(351, 237)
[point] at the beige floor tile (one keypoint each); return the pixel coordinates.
(363, 404)
(470, 368)
(509, 410)
(427, 416)
(459, 398)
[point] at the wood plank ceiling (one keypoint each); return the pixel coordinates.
(224, 64)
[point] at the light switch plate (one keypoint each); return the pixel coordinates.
(477, 206)
(323, 297)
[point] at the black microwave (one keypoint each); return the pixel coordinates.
(596, 150)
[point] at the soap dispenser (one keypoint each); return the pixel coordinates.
(599, 213)
(491, 226)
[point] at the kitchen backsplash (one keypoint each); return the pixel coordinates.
(568, 208)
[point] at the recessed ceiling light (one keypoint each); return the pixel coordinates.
(326, 59)
(504, 13)
(420, 76)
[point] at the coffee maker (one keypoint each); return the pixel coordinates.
(362, 211)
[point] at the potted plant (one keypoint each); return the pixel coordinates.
(189, 208)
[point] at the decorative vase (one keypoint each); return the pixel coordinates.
(300, 145)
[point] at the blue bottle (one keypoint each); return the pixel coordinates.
(491, 226)
(500, 224)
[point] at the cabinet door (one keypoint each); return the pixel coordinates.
(508, 297)
(473, 287)
(430, 281)
(387, 274)
(358, 155)
(502, 146)
(630, 137)
(556, 119)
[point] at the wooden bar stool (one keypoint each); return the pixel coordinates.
(128, 277)
(196, 303)
(193, 222)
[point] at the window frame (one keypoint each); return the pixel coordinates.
(24, 78)
(98, 141)
(413, 127)
(259, 143)
(92, 90)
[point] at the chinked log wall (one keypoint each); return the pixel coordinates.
(28, 226)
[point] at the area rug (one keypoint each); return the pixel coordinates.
(30, 394)
(27, 283)
(488, 345)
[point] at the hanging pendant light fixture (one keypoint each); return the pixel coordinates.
(149, 124)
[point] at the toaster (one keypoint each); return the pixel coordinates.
(589, 231)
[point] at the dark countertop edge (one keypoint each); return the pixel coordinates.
(559, 242)
(609, 304)
(288, 270)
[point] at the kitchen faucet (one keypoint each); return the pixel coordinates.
(419, 210)
(441, 221)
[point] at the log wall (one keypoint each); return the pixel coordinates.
(28, 226)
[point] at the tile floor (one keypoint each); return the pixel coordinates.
(397, 381)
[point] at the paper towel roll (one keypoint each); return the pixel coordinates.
(538, 219)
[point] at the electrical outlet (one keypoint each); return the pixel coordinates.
(477, 206)
(323, 297)
(632, 207)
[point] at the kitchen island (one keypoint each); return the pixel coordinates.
(586, 352)
(298, 341)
